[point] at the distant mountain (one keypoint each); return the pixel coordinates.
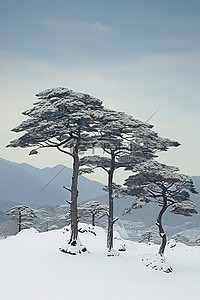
(25, 184)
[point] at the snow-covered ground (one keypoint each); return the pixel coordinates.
(32, 268)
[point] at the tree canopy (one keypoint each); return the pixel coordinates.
(58, 119)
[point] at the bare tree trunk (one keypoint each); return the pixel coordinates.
(160, 227)
(20, 222)
(110, 193)
(93, 219)
(73, 205)
(74, 196)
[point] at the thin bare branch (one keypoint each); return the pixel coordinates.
(68, 189)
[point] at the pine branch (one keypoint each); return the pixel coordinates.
(64, 151)
(115, 220)
(69, 202)
(68, 189)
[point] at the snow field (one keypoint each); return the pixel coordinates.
(32, 268)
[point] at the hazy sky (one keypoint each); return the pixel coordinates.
(137, 56)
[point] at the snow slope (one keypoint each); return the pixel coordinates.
(32, 267)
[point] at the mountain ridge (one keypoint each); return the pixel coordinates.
(22, 183)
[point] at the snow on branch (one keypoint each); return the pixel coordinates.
(186, 208)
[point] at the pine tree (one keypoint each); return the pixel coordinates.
(65, 120)
(149, 237)
(164, 185)
(23, 214)
(91, 211)
(126, 142)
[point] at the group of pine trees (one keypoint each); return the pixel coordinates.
(75, 122)
(49, 218)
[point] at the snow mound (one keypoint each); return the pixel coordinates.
(157, 262)
(112, 252)
(86, 231)
(74, 248)
(27, 232)
(85, 228)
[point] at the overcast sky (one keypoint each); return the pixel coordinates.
(137, 56)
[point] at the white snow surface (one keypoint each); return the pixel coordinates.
(33, 268)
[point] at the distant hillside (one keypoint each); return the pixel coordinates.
(23, 184)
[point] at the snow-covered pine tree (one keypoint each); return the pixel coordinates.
(24, 214)
(164, 185)
(92, 210)
(126, 142)
(149, 237)
(51, 217)
(47, 222)
(65, 120)
(7, 225)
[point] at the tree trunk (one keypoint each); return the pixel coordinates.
(110, 193)
(93, 219)
(160, 227)
(74, 196)
(20, 222)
